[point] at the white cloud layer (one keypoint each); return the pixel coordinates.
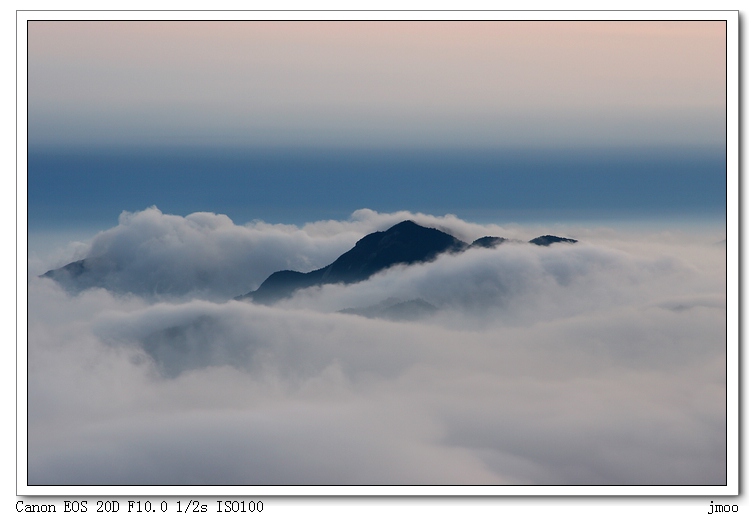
(150, 253)
(596, 363)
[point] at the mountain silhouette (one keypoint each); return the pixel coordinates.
(404, 243)
(547, 240)
(489, 242)
(81, 274)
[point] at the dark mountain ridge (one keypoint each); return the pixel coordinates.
(547, 240)
(405, 243)
(81, 274)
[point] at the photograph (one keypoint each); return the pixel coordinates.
(372, 254)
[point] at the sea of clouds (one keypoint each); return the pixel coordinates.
(597, 363)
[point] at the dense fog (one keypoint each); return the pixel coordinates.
(600, 362)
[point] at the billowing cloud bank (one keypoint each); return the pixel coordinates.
(597, 363)
(203, 254)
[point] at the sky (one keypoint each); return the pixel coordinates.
(294, 122)
(489, 84)
(597, 363)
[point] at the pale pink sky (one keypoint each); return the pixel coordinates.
(425, 83)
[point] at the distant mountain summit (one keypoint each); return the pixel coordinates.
(404, 243)
(547, 240)
(489, 242)
(81, 274)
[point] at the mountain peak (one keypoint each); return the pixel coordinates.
(404, 243)
(547, 240)
(406, 224)
(489, 242)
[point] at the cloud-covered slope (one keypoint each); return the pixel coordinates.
(201, 255)
(207, 255)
